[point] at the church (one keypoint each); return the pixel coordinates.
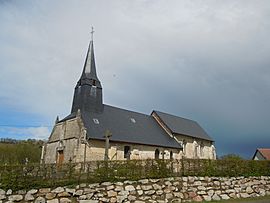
(97, 131)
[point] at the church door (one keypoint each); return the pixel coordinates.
(60, 158)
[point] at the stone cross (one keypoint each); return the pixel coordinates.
(108, 134)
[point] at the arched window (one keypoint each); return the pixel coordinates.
(184, 143)
(201, 149)
(156, 154)
(196, 149)
(60, 144)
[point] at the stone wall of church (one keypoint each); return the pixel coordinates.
(66, 139)
(79, 151)
(197, 148)
(95, 150)
(66, 130)
(67, 147)
(193, 148)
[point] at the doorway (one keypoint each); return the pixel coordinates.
(60, 157)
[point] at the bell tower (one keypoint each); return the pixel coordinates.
(88, 91)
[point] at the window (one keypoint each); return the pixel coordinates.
(201, 150)
(184, 146)
(133, 120)
(60, 146)
(127, 152)
(156, 154)
(171, 155)
(95, 120)
(94, 82)
(196, 149)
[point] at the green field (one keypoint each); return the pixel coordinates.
(17, 152)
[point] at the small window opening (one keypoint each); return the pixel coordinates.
(94, 82)
(196, 151)
(127, 152)
(171, 155)
(157, 154)
(133, 120)
(184, 146)
(201, 150)
(96, 121)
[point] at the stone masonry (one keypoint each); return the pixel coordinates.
(177, 189)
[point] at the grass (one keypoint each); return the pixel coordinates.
(242, 200)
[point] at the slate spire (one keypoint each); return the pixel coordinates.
(88, 91)
(89, 73)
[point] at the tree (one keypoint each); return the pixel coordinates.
(231, 157)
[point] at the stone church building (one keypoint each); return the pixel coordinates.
(80, 136)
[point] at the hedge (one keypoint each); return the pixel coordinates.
(49, 175)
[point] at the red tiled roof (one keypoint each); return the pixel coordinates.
(265, 153)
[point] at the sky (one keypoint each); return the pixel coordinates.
(203, 60)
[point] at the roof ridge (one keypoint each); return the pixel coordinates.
(175, 116)
(126, 110)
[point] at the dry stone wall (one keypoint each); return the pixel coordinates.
(177, 189)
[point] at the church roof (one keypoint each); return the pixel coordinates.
(183, 126)
(126, 126)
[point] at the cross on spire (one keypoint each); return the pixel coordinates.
(92, 33)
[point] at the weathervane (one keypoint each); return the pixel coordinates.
(92, 33)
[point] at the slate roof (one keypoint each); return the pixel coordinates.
(120, 122)
(183, 126)
(264, 152)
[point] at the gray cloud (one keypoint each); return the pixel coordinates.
(205, 60)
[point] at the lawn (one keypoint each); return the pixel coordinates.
(264, 199)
